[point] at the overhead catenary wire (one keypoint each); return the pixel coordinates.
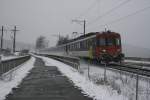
(108, 12)
(88, 9)
(125, 17)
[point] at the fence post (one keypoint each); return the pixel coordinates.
(105, 73)
(137, 83)
(79, 67)
(1, 67)
(89, 69)
(11, 73)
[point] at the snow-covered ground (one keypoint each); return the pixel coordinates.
(123, 82)
(8, 57)
(16, 76)
(97, 92)
(3, 58)
(119, 86)
(138, 62)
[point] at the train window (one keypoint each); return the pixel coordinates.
(87, 44)
(110, 42)
(102, 42)
(90, 43)
(117, 41)
(68, 47)
(74, 46)
(94, 42)
(84, 44)
(81, 45)
(78, 45)
(71, 46)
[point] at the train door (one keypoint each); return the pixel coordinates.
(66, 49)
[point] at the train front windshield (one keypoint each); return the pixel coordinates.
(113, 41)
(109, 42)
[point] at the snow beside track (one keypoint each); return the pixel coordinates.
(6, 85)
(3, 58)
(138, 62)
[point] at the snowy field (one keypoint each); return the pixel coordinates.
(124, 83)
(14, 78)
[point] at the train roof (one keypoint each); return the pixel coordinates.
(84, 36)
(89, 35)
(92, 34)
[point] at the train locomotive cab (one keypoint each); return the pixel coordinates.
(109, 47)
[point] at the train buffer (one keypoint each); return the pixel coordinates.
(46, 83)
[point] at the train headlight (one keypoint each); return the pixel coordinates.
(118, 50)
(104, 50)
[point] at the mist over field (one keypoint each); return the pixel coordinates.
(135, 51)
(8, 44)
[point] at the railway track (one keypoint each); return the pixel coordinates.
(138, 64)
(131, 68)
(127, 67)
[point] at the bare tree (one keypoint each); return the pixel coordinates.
(63, 40)
(41, 42)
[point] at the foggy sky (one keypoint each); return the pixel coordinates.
(48, 17)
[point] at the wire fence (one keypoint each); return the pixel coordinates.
(130, 85)
(72, 61)
(10, 64)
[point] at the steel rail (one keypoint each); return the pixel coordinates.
(132, 69)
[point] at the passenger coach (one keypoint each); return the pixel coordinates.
(96, 45)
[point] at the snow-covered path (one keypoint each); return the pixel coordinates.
(17, 76)
(97, 92)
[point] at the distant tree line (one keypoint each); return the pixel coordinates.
(41, 43)
(62, 40)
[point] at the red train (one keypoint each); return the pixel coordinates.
(101, 46)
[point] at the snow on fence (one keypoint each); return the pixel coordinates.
(134, 86)
(72, 61)
(7, 65)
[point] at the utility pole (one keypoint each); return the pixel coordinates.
(14, 40)
(2, 37)
(84, 26)
(81, 21)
